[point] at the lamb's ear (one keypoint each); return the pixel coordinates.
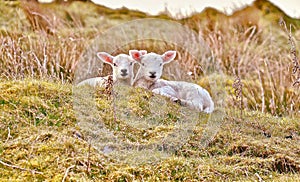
(135, 54)
(105, 57)
(168, 56)
(143, 52)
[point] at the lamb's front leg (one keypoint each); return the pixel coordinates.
(167, 91)
(193, 105)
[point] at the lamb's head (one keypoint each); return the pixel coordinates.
(151, 64)
(122, 65)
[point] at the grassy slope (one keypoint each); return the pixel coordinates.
(38, 132)
(38, 126)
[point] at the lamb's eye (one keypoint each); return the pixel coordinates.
(160, 64)
(115, 65)
(143, 64)
(131, 63)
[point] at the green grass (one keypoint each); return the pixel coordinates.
(39, 132)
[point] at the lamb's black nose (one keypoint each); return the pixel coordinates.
(152, 74)
(124, 72)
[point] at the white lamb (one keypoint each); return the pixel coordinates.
(122, 66)
(148, 77)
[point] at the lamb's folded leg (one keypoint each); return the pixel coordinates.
(167, 91)
(208, 110)
(97, 81)
(193, 105)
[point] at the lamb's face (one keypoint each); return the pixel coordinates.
(122, 66)
(151, 65)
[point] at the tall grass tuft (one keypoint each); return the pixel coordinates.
(293, 52)
(39, 56)
(259, 55)
(52, 51)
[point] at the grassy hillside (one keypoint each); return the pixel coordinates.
(39, 134)
(40, 138)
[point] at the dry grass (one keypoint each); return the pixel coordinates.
(261, 59)
(39, 56)
(293, 52)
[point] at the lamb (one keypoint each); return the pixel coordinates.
(122, 65)
(148, 77)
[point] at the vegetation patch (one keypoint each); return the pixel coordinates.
(35, 146)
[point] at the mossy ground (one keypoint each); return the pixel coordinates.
(39, 133)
